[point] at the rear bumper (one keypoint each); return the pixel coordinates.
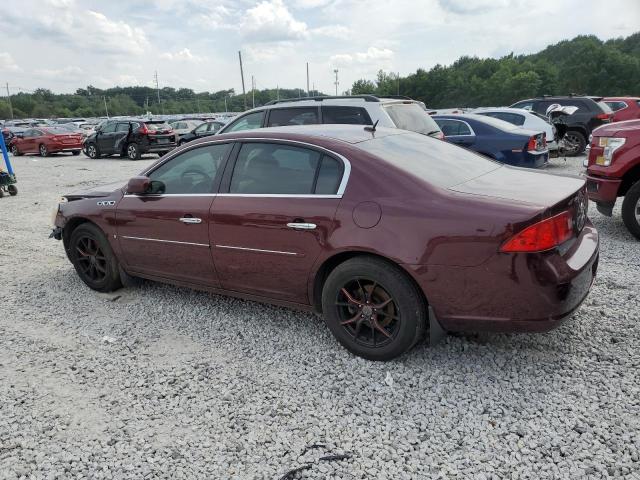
(512, 292)
(66, 148)
(155, 147)
(603, 190)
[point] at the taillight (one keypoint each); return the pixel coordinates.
(531, 146)
(541, 236)
(604, 116)
(143, 129)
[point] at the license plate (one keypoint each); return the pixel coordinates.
(163, 140)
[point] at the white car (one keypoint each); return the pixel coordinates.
(524, 119)
(392, 112)
(182, 127)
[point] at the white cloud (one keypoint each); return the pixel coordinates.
(270, 21)
(332, 31)
(8, 64)
(183, 55)
(373, 55)
(69, 71)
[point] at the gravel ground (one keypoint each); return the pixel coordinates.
(157, 381)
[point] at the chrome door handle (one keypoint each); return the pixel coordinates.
(189, 220)
(302, 226)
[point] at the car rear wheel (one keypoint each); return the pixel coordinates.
(43, 150)
(133, 151)
(631, 210)
(92, 151)
(93, 258)
(14, 151)
(575, 143)
(373, 309)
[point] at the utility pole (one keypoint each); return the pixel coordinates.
(225, 105)
(198, 103)
(308, 91)
(277, 92)
(398, 79)
(104, 99)
(158, 90)
(244, 94)
(253, 92)
(9, 100)
(336, 82)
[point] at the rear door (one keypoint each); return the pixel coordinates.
(274, 217)
(457, 131)
(166, 233)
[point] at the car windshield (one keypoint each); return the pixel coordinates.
(410, 116)
(59, 130)
(432, 160)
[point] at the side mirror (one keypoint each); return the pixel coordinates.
(139, 185)
(19, 135)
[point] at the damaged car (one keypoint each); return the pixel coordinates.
(389, 234)
(130, 139)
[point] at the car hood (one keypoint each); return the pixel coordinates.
(94, 192)
(522, 185)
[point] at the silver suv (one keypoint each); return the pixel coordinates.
(394, 112)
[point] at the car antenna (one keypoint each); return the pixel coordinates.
(372, 128)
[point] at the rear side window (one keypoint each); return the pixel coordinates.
(275, 169)
(409, 116)
(293, 116)
(248, 122)
(345, 115)
(616, 105)
(452, 128)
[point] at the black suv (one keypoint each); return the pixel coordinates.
(203, 130)
(591, 113)
(130, 138)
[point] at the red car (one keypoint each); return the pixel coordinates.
(613, 170)
(45, 141)
(386, 232)
(624, 108)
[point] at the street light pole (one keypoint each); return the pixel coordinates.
(336, 82)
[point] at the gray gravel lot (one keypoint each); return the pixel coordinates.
(157, 381)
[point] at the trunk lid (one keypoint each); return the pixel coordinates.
(523, 186)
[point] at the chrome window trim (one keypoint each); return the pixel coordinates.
(341, 188)
(166, 241)
(256, 195)
(257, 250)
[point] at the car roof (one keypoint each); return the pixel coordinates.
(492, 122)
(519, 111)
(350, 134)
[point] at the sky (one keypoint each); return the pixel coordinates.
(63, 45)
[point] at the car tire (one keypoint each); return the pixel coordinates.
(631, 210)
(384, 314)
(162, 154)
(15, 151)
(1, 192)
(579, 139)
(133, 151)
(92, 151)
(42, 149)
(12, 189)
(93, 259)
(75, 153)
(181, 142)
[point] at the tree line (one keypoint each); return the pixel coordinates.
(583, 65)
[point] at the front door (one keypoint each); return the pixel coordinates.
(165, 233)
(274, 218)
(105, 138)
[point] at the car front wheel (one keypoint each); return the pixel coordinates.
(92, 151)
(44, 152)
(14, 151)
(93, 258)
(631, 210)
(575, 143)
(373, 309)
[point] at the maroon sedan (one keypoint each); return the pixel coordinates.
(46, 140)
(386, 232)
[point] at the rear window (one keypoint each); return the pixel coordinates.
(158, 126)
(409, 116)
(605, 108)
(432, 160)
